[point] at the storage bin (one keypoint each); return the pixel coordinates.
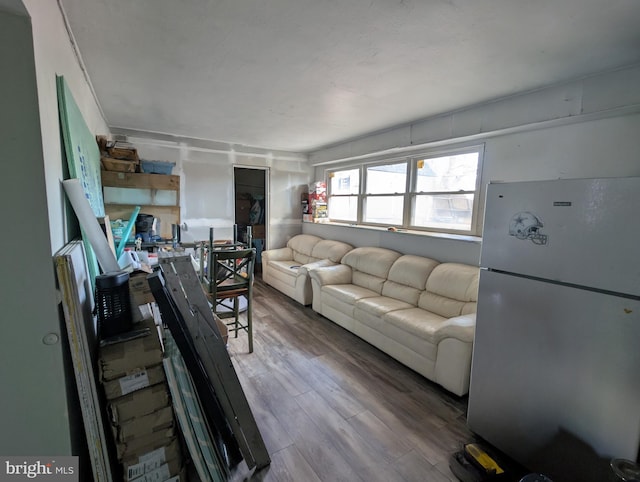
(157, 167)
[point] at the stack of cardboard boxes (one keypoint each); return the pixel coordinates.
(117, 157)
(139, 406)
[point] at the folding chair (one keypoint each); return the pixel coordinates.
(232, 278)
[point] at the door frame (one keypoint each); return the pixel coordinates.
(267, 194)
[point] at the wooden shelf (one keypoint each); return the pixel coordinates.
(167, 214)
(123, 209)
(140, 180)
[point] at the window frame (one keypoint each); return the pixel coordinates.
(473, 228)
(410, 194)
(366, 195)
(328, 175)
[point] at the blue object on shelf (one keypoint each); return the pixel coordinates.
(157, 167)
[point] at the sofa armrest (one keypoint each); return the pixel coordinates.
(339, 274)
(455, 347)
(461, 327)
(306, 268)
(279, 254)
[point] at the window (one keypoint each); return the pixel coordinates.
(445, 191)
(384, 198)
(427, 192)
(344, 187)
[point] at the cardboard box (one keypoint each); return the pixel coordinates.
(119, 359)
(258, 231)
(118, 165)
(222, 328)
(139, 289)
(139, 403)
(144, 425)
(121, 152)
(182, 477)
(134, 447)
(151, 459)
(167, 471)
(136, 380)
(320, 210)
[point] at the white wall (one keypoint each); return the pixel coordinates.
(54, 55)
(37, 414)
(206, 186)
(460, 249)
(33, 405)
(585, 128)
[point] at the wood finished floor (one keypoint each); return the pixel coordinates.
(331, 407)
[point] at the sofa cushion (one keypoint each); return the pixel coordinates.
(302, 247)
(347, 293)
(306, 268)
(406, 339)
(432, 327)
(452, 290)
(421, 323)
(331, 250)
(408, 277)
(370, 266)
(374, 261)
(288, 267)
(379, 305)
(415, 324)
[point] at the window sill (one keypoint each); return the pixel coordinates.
(467, 238)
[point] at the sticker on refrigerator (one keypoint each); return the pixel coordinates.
(526, 225)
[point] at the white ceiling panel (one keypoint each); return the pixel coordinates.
(298, 75)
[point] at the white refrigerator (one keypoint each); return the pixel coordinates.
(555, 377)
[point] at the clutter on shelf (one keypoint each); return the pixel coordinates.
(122, 157)
(314, 207)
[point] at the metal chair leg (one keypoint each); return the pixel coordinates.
(236, 314)
(250, 322)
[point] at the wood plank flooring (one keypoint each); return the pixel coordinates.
(331, 407)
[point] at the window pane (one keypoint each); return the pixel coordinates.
(387, 179)
(444, 212)
(448, 173)
(384, 209)
(345, 182)
(343, 208)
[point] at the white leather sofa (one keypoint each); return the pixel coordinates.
(419, 311)
(287, 269)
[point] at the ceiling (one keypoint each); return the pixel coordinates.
(299, 75)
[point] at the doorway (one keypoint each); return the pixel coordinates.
(250, 185)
